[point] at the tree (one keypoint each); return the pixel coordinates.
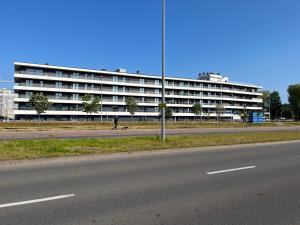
(265, 98)
(197, 110)
(131, 106)
(208, 114)
(275, 105)
(266, 101)
(244, 115)
(169, 113)
(40, 103)
(219, 111)
(91, 104)
(287, 111)
(294, 99)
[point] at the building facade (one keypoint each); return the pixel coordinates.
(65, 86)
(6, 104)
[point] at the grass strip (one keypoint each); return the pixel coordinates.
(34, 149)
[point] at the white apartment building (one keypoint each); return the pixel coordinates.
(65, 86)
(6, 104)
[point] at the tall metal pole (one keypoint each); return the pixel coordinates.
(101, 106)
(269, 108)
(163, 114)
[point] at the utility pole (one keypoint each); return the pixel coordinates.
(163, 114)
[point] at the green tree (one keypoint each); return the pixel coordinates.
(91, 104)
(266, 101)
(197, 110)
(131, 106)
(208, 114)
(275, 105)
(287, 111)
(294, 99)
(244, 115)
(169, 113)
(265, 97)
(40, 103)
(219, 111)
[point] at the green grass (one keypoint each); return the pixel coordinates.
(21, 126)
(34, 149)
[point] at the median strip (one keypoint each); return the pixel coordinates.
(34, 149)
(36, 201)
(230, 170)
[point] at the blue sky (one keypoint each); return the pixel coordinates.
(253, 41)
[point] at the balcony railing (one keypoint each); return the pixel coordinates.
(145, 92)
(126, 80)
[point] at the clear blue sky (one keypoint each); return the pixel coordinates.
(256, 41)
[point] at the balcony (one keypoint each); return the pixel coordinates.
(133, 92)
(138, 82)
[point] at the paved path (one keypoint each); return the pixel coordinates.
(252, 185)
(5, 135)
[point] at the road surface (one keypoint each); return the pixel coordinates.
(245, 185)
(8, 135)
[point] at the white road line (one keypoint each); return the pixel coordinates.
(230, 170)
(36, 200)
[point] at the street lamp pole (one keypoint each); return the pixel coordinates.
(101, 99)
(163, 114)
(269, 108)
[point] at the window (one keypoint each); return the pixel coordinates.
(30, 71)
(38, 72)
(59, 73)
(58, 95)
(75, 86)
(75, 96)
(115, 98)
(115, 88)
(75, 75)
(28, 94)
(29, 83)
(58, 84)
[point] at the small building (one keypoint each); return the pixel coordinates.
(6, 104)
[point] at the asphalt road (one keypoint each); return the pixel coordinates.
(9, 135)
(249, 185)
